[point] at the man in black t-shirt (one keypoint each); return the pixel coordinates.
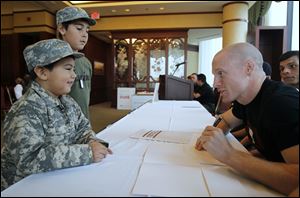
(204, 94)
(271, 109)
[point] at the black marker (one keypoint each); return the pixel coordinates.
(218, 120)
(106, 144)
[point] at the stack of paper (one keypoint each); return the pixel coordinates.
(163, 136)
(173, 170)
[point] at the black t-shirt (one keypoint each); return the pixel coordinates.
(207, 94)
(273, 116)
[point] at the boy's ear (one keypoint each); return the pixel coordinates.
(41, 72)
(61, 29)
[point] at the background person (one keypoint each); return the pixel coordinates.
(73, 24)
(205, 94)
(289, 68)
(18, 89)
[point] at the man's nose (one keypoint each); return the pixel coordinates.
(286, 70)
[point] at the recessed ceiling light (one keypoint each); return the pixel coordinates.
(127, 10)
(113, 10)
(80, 2)
(161, 8)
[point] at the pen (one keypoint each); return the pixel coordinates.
(218, 104)
(106, 144)
(218, 120)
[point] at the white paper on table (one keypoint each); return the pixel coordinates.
(163, 136)
(179, 154)
(224, 182)
(170, 180)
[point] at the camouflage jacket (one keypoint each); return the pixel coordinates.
(43, 133)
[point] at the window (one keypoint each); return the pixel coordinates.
(140, 58)
(207, 51)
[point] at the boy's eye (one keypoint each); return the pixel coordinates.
(79, 28)
(70, 68)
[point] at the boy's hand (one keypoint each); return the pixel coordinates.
(99, 151)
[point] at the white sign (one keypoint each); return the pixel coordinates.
(139, 100)
(124, 97)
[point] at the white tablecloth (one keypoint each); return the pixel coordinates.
(118, 174)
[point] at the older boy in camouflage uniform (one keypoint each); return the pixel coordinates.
(46, 129)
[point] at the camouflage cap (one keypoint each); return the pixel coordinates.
(46, 52)
(72, 13)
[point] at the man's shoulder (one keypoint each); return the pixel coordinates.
(276, 90)
(280, 99)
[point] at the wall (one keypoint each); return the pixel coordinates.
(97, 50)
(12, 60)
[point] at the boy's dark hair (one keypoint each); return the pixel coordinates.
(66, 26)
(201, 77)
(289, 54)
(49, 67)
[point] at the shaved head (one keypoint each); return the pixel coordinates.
(240, 52)
(238, 72)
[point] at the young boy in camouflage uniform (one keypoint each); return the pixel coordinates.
(73, 24)
(46, 129)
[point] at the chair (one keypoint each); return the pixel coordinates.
(5, 103)
(11, 100)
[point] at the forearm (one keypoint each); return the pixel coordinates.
(282, 177)
(86, 136)
(55, 157)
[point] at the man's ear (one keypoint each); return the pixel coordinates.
(249, 66)
(41, 72)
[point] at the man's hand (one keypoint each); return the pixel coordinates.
(214, 141)
(196, 95)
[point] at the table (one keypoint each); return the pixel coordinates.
(126, 172)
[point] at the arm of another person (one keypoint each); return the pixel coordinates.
(34, 150)
(283, 177)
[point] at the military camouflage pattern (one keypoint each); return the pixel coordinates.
(46, 52)
(44, 133)
(72, 13)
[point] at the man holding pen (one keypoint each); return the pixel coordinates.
(271, 110)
